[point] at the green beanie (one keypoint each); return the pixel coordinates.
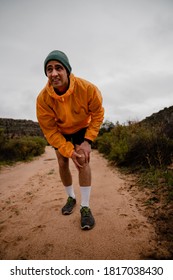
(59, 56)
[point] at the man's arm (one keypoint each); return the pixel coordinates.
(47, 122)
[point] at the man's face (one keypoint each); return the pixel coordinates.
(57, 75)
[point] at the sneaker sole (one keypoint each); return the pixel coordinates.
(87, 227)
(67, 212)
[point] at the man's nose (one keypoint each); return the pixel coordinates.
(54, 72)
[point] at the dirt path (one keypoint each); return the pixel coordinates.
(32, 226)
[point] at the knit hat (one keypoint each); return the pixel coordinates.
(61, 57)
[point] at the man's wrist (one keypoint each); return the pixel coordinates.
(88, 140)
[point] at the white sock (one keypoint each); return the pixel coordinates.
(85, 195)
(70, 191)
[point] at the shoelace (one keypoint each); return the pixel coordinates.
(85, 211)
(70, 200)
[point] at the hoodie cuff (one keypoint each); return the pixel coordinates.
(88, 140)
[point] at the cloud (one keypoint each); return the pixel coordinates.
(124, 47)
(137, 96)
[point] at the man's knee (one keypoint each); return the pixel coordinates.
(81, 160)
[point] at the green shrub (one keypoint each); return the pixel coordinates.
(22, 148)
(104, 143)
(149, 148)
(135, 145)
(118, 151)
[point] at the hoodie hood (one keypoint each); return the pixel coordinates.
(50, 90)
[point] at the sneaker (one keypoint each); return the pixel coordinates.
(87, 219)
(68, 207)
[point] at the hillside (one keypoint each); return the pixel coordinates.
(164, 116)
(17, 128)
(162, 119)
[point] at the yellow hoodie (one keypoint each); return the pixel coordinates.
(80, 106)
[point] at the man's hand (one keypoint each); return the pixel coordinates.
(81, 155)
(75, 156)
(85, 147)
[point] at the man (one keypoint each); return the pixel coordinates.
(70, 112)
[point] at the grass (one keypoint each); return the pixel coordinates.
(160, 181)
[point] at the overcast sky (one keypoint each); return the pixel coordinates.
(124, 47)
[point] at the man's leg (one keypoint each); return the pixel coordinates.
(64, 170)
(84, 179)
(87, 219)
(84, 172)
(66, 179)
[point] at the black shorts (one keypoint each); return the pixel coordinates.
(76, 138)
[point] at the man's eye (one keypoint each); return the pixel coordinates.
(58, 68)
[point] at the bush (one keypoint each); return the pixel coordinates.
(150, 149)
(104, 143)
(2, 138)
(136, 145)
(22, 149)
(114, 144)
